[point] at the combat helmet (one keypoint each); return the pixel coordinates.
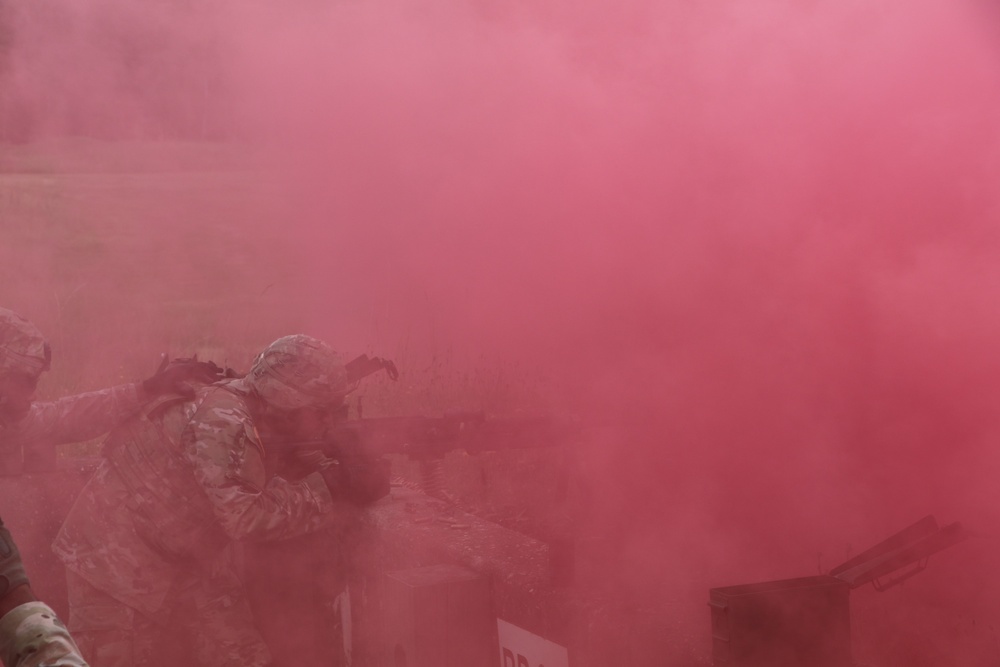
(22, 346)
(298, 372)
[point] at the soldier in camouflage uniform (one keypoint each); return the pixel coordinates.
(151, 545)
(30, 632)
(25, 424)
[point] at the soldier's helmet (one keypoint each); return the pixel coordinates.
(22, 346)
(299, 372)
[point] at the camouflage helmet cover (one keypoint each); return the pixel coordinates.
(298, 372)
(22, 347)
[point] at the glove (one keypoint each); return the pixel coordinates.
(176, 377)
(12, 572)
(360, 482)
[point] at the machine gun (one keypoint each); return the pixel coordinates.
(366, 442)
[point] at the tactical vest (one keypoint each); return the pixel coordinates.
(170, 510)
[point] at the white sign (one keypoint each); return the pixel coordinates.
(520, 648)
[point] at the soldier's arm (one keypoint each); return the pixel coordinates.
(32, 636)
(227, 458)
(84, 416)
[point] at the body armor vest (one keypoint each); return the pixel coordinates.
(170, 511)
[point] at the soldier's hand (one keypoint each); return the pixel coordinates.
(180, 375)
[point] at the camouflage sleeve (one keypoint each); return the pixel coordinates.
(82, 417)
(227, 457)
(32, 636)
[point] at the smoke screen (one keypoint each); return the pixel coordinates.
(750, 247)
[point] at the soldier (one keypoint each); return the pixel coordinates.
(151, 543)
(25, 425)
(30, 633)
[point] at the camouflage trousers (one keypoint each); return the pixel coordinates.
(202, 626)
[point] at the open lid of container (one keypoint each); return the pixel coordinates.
(910, 546)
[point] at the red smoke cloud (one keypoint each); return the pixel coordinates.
(752, 243)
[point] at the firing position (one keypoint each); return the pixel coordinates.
(151, 544)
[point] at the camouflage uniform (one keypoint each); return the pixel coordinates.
(30, 633)
(150, 542)
(71, 419)
(32, 636)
